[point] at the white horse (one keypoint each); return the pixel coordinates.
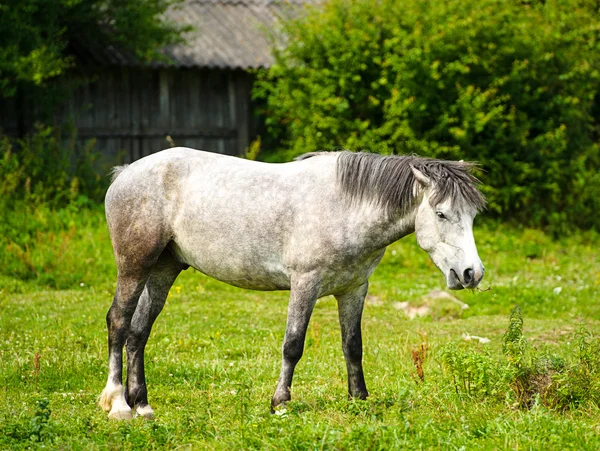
(316, 226)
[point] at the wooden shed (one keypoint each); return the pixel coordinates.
(202, 99)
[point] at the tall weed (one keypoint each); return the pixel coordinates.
(473, 373)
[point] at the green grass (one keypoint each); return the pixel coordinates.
(213, 358)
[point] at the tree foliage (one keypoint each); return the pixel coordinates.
(511, 84)
(37, 37)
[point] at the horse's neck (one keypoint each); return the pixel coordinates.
(382, 229)
(401, 226)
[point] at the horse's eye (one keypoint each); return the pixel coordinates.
(441, 215)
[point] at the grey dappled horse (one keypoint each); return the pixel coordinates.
(316, 226)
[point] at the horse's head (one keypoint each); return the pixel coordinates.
(444, 222)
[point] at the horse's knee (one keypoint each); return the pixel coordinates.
(293, 348)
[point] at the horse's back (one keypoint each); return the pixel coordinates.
(228, 217)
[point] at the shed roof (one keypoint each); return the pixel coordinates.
(230, 34)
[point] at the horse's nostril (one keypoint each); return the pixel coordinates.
(468, 276)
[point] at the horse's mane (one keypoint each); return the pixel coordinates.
(389, 180)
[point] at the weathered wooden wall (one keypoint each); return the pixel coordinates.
(9, 116)
(131, 111)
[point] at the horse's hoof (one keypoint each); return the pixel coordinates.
(116, 414)
(145, 411)
(280, 408)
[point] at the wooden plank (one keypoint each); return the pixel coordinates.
(164, 101)
(242, 112)
(135, 87)
(133, 110)
(9, 115)
(177, 103)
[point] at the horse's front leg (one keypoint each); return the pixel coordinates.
(350, 308)
(303, 296)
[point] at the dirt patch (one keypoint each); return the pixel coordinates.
(437, 304)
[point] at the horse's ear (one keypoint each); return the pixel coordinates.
(421, 178)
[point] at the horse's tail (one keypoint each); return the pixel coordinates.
(114, 172)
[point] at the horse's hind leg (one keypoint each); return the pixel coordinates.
(151, 303)
(137, 248)
(118, 319)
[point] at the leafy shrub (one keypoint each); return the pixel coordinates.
(526, 377)
(40, 423)
(511, 84)
(579, 383)
(49, 168)
(38, 429)
(50, 191)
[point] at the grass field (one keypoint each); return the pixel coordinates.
(213, 359)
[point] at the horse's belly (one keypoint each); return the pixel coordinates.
(265, 274)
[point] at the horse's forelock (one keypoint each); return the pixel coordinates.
(455, 181)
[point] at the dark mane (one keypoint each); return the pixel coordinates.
(389, 180)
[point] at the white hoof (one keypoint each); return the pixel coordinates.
(145, 411)
(120, 414)
(112, 400)
(105, 400)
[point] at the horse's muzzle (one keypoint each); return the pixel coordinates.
(469, 278)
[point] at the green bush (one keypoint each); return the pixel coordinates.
(579, 383)
(49, 168)
(526, 376)
(511, 84)
(50, 211)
